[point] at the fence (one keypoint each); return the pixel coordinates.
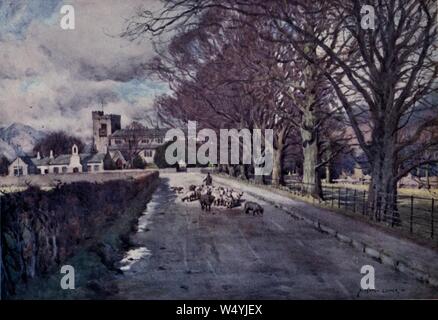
(409, 214)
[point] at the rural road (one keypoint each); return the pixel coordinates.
(183, 253)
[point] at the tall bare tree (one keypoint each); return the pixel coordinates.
(383, 76)
(384, 80)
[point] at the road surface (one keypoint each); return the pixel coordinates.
(183, 253)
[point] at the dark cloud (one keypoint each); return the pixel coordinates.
(64, 75)
(120, 71)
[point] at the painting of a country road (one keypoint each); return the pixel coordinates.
(219, 151)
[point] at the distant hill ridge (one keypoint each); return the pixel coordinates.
(18, 139)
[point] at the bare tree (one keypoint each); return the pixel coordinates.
(382, 77)
(230, 90)
(392, 71)
(279, 90)
(59, 142)
(133, 135)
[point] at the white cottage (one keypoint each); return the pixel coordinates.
(65, 163)
(21, 166)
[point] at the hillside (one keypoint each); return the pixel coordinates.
(18, 139)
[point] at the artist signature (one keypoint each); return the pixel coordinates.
(378, 291)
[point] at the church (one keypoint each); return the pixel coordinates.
(113, 148)
(124, 144)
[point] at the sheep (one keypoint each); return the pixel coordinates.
(177, 189)
(189, 196)
(236, 195)
(217, 197)
(206, 200)
(198, 192)
(205, 190)
(220, 201)
(225, 197)
(255, 208)
(228, 201)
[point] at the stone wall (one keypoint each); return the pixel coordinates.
(41, 229)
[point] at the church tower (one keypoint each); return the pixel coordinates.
(103, 126)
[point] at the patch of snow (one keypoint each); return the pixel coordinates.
(132, 256)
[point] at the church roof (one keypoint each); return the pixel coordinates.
(146, 133)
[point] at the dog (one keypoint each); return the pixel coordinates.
(253, 207)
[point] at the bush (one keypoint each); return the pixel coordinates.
(41, 229)
(160, 156)
(138, 162)
(4, 164)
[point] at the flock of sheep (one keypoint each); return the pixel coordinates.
(217, 196)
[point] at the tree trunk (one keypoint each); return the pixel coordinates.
(277, 170)
(259, 179)
(309, 128)
(311, 177)
(232, 170)
(242, 172)
(427, 177)
(382, 199)
(328, 178)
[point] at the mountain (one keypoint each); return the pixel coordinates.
(7, 151)
(21, 138)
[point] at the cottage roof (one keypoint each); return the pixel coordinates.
(41, 162)
(116, 155)
(27, 160)
(92, 157)
(64, 159)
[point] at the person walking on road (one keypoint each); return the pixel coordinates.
(208, 180)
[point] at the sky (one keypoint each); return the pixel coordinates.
(51, 79)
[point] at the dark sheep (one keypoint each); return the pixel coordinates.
(206, 200)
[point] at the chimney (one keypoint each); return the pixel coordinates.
(51, 154)
(38, 155)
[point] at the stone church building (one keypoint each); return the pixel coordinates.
(124, 144)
